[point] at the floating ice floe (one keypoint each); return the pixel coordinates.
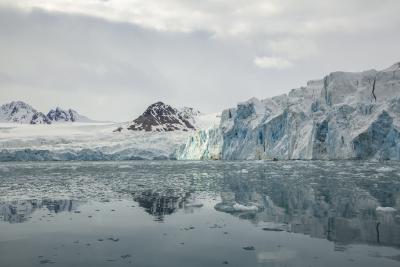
(235, 207)
(275, 227)
(240, 207)
(386, 209)
(194, 205)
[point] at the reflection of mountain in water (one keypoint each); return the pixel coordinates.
(159, 204)
(20, 211)
(338, 210)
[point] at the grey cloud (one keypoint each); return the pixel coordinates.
(112, 70)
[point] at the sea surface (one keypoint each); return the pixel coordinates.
(212, 213)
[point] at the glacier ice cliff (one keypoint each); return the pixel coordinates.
(345, 115)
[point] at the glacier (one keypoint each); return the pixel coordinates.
(345, 115)
(82, 141)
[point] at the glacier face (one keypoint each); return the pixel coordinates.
(342, 116)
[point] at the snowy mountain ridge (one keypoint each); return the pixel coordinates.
(60, 115)
(21, 112)
(345, 115)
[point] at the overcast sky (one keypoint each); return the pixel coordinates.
(110, 59)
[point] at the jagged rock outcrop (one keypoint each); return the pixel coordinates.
(342, 116)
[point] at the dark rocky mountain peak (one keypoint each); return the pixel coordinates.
(162, 117)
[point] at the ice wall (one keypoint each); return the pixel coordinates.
(342, 116)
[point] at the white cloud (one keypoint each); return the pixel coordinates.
(272, 63)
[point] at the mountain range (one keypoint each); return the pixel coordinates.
(21, 112)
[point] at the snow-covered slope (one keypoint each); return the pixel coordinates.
(60, 115)
(342, 116)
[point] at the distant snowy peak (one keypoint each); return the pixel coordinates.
(40, 118)
(20, 112)
(69, 115)
(161, 117)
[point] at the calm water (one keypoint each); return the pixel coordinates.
(200, 214)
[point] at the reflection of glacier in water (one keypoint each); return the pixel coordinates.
(20, 210)
(343, 201)
(335, 209)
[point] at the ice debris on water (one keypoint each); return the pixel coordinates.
(386, 209)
